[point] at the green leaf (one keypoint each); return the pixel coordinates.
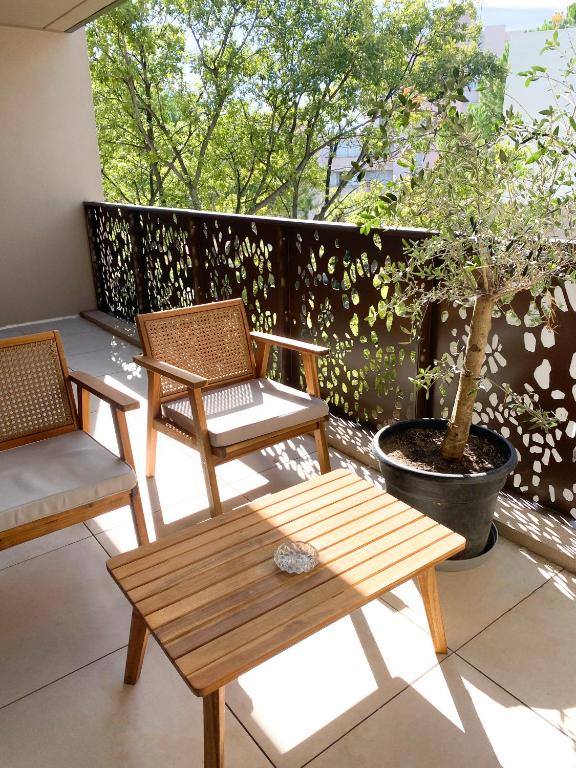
(535, 156)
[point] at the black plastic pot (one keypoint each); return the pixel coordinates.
(464, 503)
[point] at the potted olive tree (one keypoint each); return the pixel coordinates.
(503, 213)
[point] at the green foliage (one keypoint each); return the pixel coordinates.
(489, 110)
(498, 206)
(231, 105)
(503, 209)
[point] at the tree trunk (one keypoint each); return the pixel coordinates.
(461, 420)
(154, 176)
(295, 198)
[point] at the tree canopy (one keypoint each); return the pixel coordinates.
(239, 105)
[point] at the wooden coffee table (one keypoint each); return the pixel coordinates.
(218, 605)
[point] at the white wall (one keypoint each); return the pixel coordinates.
(525, 52)
(49, 164)
(494, 39)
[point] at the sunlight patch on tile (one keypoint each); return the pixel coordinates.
(346, 671)
(293, 701)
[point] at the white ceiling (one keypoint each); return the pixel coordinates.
(52, 15)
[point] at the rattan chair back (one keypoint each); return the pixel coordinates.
(211, 340)
(36, 399)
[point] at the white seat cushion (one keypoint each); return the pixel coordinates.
(253, 408)
(57, 474)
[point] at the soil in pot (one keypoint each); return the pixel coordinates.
(421, 449)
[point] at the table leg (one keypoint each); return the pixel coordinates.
(429, 591)
(214, 729)
(136, 648)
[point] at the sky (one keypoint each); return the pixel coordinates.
(519, 14)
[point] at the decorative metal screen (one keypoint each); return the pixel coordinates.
(319, 282)
(113, 246)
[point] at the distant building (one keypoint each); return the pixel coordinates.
(524, 52)
(494, 39)
(346, 154)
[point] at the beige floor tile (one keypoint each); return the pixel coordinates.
(290, 470)
(293, 451)
(171, 455)
(452, 717)
(97, 406)
(171, 519)
(340, 460)
(122, 538)
(131, 380)
(92, 341)
(42, 545)
(119, 539)
(171, 501)
(530, 651)
(299, 702)
(68, 327)
(473, 599)
(245, 471)
(59, 611)
(114, 360)
(277, 478)
(99, 410)
(117, 517)
(179, 479)
(102, 429)
(91, 720)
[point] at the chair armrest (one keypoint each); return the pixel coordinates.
(190, 380)
(286, 343)
(105, 392)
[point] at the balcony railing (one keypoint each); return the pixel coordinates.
(319, 281)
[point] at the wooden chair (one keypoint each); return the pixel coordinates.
(207, 387)
(52, 473)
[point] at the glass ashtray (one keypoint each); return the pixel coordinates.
(296, 557)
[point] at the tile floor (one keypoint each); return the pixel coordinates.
(367, 692)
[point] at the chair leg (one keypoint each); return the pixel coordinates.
(151, 433)
(322, 449)
(136, 648)
(205, 450)
(138, 517)
(211, 483)
(151, 443)
(84, 408)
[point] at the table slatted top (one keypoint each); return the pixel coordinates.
(217, 603)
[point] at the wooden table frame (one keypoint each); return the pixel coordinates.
(218, 605)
